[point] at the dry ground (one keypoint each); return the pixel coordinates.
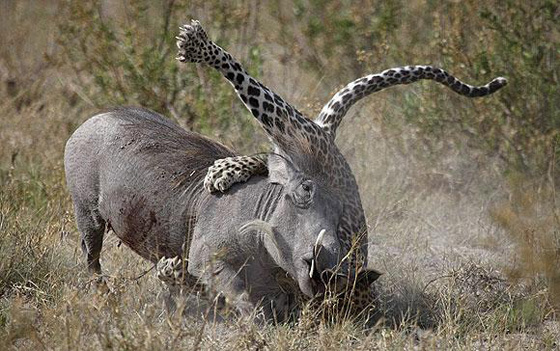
(443, 229)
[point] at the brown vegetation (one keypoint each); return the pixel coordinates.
(460, 194)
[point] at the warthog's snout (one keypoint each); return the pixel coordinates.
(319, 266)
(314, 267)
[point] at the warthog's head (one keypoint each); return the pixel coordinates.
(302, 222)
(305, 224)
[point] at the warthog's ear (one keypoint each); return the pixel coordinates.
(367, 276)
(280, 169)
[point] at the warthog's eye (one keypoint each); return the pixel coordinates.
(303, 194)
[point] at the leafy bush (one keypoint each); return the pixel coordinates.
(126, 57)
(476, 42)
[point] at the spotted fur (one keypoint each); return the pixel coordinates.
(314, 150)
(277, 117)
(172, 272)
(237, 169)
(334, 111)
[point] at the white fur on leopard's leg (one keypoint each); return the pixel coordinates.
(238, 169)
(192, 42)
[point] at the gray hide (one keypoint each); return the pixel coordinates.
(137, 173)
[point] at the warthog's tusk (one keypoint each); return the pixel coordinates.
(312, 268)
(320, 237)
(316, 249)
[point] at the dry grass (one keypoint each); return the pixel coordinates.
(468, 254)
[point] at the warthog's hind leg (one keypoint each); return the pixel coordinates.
(92, 229)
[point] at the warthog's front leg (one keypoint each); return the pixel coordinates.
(173, 272)
(223, 281)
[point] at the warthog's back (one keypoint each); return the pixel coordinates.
(141, 175)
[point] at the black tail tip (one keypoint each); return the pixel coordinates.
(496, 84)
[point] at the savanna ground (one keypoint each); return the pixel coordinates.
(459, 194)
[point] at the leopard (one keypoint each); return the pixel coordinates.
(284, 123)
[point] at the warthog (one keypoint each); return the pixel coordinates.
(139, 174)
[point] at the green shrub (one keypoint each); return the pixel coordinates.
(474, 41)
(125, 56)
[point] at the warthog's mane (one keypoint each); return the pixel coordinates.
(181, 155)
